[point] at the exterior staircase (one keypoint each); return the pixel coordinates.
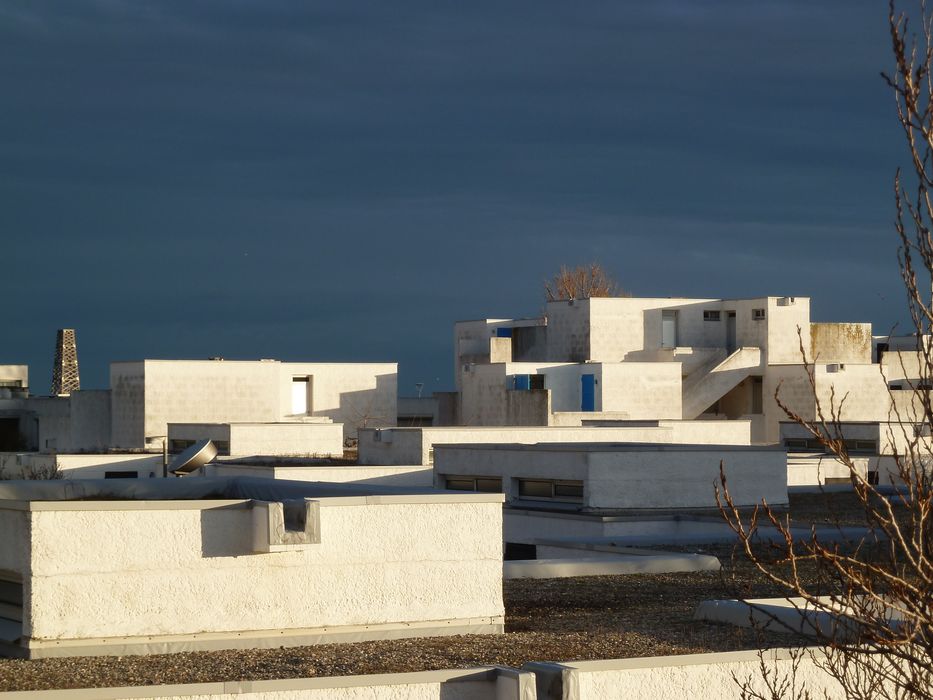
(707, 385)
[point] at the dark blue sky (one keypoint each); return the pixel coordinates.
(329, 181)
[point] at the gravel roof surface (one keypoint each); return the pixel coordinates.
(595, 617)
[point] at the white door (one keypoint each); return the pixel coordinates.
(300, 386)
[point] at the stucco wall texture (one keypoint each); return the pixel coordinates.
(484, 683)
(189, 569)
(149, 394)
(407, 446)
(693, 676)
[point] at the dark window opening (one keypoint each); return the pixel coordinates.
(481, 484)
(176, 446)
(565, 491)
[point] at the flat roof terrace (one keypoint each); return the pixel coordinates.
(594, 617)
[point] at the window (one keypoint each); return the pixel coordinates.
(712, 316)
(176, 446)
(482, 484)
(551, 490)
(121, 475)
(536, 382)
(795, 443)
(869, 446)
(758, 314)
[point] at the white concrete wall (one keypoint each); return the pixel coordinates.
(783, 343)
(404, 446)
(358, 395)
(128, 405)
(30, 465)
(689, 676)
(385, 560)
(461, 684)
(90, 421)
(529, 526)
(709, 432)
(629, 476)
(840, 342)
(485, 396)
(689, 477)
(15, 373)
(413, 476)
(317, 439)
(815, 469)
(643, 390)
(150, 394)
(471, 342)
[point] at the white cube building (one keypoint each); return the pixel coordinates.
(149, 394)
(607, 360)
(129, 567)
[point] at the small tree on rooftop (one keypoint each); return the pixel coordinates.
(582, 282)
(889, 573)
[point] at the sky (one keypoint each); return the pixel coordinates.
(343, 180)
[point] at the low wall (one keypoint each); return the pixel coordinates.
(808, 469)
(299, 438)
(410, 476)
(627, 476)
(406, 446)
(30, 465)
(461, 684)
(716, 675)
(680, 677)
(534, 526)
(156, 576)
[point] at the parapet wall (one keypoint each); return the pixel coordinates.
(679, 677)
(112, 576)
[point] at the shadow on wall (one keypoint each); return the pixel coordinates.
(225, 532)
(367, 408)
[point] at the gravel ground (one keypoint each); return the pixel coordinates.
(595, 617)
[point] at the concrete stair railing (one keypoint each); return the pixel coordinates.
(702, 390)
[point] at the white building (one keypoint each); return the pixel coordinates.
(603, 477)
(147, 395)
(604, 360)
(130, 567)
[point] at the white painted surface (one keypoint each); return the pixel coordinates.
(79, 466)
(406, 446)
(407, 476)
(313, 437)
(383, 560)
(461, 684)
(690, 676)
(628, 476)
(149, 394)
